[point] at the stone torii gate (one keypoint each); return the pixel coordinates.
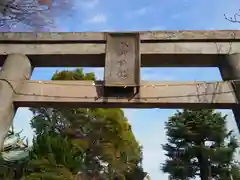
(122, 55)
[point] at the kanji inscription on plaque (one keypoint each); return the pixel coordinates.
(122, 64)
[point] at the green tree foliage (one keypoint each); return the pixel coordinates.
(235, 171)
(44, 169)
(198, 145)
(98, 142)
(137, 172)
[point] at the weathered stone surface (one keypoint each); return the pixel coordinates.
(122, 64)
(101, 36)
(229, 67)
(16, 68)
(152, 95)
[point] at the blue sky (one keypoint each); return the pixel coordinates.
(106, 15)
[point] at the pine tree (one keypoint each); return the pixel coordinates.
(199, 144)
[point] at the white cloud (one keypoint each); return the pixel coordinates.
(142, 11)
(99, 18)
(85, 4)
(138, 12)
(90, 4)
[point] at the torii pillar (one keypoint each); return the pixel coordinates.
(16, 68)
(229, 66)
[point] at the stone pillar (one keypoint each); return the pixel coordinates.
(229, 66)
(16, 67)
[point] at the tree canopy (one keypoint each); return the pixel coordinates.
(97, 142)
(199, 144)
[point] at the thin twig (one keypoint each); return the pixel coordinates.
(235, 18)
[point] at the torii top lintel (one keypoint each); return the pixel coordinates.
(226, 35)
(156, 48)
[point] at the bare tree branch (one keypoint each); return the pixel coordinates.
(235, 18)
(37, 14)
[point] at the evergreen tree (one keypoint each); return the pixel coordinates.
(235, 171)
(199, 144)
